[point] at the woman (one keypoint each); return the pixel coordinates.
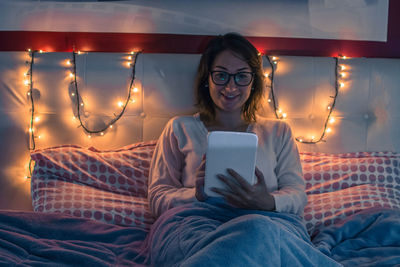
(253, 224)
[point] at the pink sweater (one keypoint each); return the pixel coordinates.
(180, 149)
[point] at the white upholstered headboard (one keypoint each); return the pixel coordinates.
(367, 113)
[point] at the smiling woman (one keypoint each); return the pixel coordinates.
(211, 226)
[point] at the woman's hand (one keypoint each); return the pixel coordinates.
(241, 194)
(200, 173)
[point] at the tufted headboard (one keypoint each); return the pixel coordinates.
(367, 113)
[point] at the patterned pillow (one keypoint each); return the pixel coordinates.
(339, 185)
(110, 186)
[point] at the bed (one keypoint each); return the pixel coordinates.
(90, 208)
(89, 195)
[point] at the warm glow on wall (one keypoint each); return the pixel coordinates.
(280, 114)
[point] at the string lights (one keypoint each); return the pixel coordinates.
(279, 114)
(28, 81)
(79, 102)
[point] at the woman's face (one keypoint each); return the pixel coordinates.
(230, 97)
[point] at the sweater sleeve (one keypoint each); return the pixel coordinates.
(165, 184)
(290, 196)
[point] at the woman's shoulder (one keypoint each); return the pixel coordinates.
(182, 122)
(269, 124)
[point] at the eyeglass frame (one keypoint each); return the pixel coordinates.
(231, 75)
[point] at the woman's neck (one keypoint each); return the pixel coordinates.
(227, 122)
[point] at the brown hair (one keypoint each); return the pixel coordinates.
(245, 50)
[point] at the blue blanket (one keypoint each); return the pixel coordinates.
(213, 234)
(368, 238)
(39, 239)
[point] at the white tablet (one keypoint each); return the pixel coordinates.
(235, 150)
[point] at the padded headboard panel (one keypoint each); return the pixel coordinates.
(367, 112)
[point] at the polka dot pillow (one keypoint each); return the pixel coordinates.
(339, 185)
(110, 186)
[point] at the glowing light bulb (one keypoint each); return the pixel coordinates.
(130, 57)
(344, 57)
(274, 58)
(342, 67)
(30, 130)
(284, 115)
(29, 50)
(39, 136)
(132, 53)
(128, 64)
(79, 52)
(40, 51)
(312, 137)
(332, 120)
(72, 94)
(26, 82)
(329, 107)
(73, 117)
(301, 140)
(68, 62)
(133, 100)
(135, 90)
(269, 100)
(29, 93)
(71, 75)
(120, 104)
(37, 119)
(343, 74)
(111, 126)
(82, 104)
(258, 54)
(102, 133)
(89, 136)
(328, 130)
(341, 84)
(266, 75)
(279, 110)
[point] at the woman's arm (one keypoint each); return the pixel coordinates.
(290, 195)
(165, 178)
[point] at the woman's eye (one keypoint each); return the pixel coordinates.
(220, 76)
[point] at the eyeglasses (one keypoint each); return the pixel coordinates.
(242, 78)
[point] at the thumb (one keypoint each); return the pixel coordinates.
(260, 176)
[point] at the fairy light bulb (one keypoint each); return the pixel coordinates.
(40, 51)
(30, 129)
(332, 120)
(130, 58)
(120, 104)
(37, 119)
(72, 94)
(269, 100)
(82, 104)
(102, 133)
(89, 136)
(135, 90)
(343, 75)
(342, 67)
(26, 82)
(341, 84)
(274, 58)
(128, 64)
(71, 75)
(79, 52)
(328, 130)
(329, 107)
(111, 126)
(68, 62)
(132, 53)
(301, 140)
(284, 115)
(133, 100)
(266, 75)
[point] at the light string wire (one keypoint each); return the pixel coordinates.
(77, 96)
(271, 77)
(332, 106)
(32, 143)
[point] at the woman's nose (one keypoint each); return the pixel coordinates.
(231, 85)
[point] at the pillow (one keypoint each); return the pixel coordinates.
(110, 186)
(339, 185)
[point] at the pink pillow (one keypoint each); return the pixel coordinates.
(110, 186)
(339, 185)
